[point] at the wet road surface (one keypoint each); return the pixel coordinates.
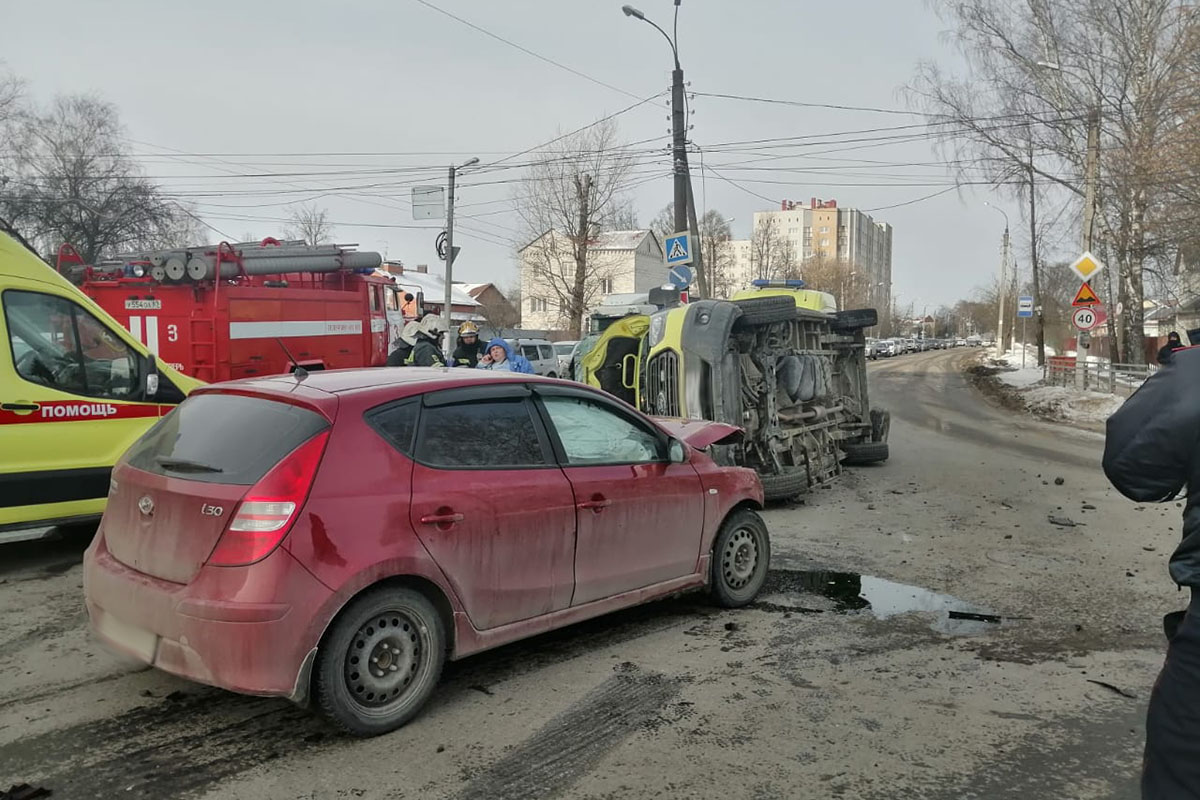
(849, 678)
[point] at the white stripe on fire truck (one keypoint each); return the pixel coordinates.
(135, 327)
(152, 334)
(319, 327)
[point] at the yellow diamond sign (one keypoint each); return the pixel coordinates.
(1087, 267)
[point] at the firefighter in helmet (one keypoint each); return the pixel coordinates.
(469, 348)
(427, 352)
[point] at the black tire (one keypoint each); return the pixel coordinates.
(783, 487)
(863, 453)
(855, 318)
(765, 310)
(551, 375)
(881, 424)
(740, 559)
(392, 623)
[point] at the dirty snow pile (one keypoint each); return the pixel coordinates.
(1057, 402)
(1071, 404)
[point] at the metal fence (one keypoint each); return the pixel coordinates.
(1097, 376)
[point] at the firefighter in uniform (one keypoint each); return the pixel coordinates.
(427, 352)
(469, 348)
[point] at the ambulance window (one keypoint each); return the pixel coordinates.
(58, 344)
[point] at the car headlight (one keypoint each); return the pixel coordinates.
(658, 327)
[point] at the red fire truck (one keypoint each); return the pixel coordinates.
(242, 310)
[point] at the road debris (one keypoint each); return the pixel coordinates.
(1063, 522)
(1112, 688)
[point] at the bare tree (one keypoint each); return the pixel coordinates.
(310, 223)
(71, 180)
(563, 200)
(1041, 75)
(771, 253)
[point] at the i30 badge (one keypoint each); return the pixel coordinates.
(146, 505)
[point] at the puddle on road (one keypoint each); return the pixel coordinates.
(849, 592)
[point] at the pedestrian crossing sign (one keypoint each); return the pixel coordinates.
(678, 249)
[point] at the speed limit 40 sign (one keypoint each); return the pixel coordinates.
(1085, 318)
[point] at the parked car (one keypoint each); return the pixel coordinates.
(960, 343)
(872, 349)
(889, 348)
(540, 353)
(563, 351)
(334, 538)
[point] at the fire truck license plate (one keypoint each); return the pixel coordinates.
(143, 305)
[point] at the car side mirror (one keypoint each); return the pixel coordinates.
(676, 453)
(151, 377)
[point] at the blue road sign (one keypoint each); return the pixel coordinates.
(680, 277)
(1025, 306)
(678, 249)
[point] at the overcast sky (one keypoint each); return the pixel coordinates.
(267, 86)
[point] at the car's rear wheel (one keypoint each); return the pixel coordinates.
(551, 375)
(741, 555)
(785, 486)
(381, 661)
(862, 453)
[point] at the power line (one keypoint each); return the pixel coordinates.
(803, 104)
(526, 50)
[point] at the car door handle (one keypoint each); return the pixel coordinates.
(19, 406)
(596, 504)
(442, 519)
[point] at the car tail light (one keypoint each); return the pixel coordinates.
(267, 512)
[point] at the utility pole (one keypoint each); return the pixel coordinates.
(583, 190)
(449, 251)
(679, 149)
(1000, 349)
(1040, 329)
(450, 241)
(1087, 237)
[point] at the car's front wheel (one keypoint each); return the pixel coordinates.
(741, 555)
(381, 661)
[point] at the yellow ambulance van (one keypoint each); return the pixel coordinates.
(76, 390)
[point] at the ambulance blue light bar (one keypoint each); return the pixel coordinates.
(790, 283)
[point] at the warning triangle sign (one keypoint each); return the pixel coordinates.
(1085, 296)
(678, 250)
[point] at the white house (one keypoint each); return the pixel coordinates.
(619, 262)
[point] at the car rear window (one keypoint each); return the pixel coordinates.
(224, 438)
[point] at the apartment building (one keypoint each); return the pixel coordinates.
(820, 229)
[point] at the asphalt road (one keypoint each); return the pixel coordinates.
(813, 693)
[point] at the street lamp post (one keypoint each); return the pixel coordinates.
(685, 214)
(450, 239)
(1000, 349)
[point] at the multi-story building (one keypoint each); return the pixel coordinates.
(819, 230)
(619, 262)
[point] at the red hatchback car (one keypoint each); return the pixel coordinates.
(336, 538)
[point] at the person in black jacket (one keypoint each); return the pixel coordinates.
(1173, 344)
(1150, 455)
(427, 352)
(469, 348)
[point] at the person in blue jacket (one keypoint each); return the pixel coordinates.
(500, 357)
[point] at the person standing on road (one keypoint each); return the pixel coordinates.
(1150, 455)
(469, 348)
(1173, 344)
(500, 357)
(408, 339)
(427, 352)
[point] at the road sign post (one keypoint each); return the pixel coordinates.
(678, 249)
(680, 276)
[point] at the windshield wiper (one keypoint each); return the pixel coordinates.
(183, 465)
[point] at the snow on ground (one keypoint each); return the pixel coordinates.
(1057, 402)
(1071, 404)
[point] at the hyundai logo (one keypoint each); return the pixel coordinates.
(146, 505)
